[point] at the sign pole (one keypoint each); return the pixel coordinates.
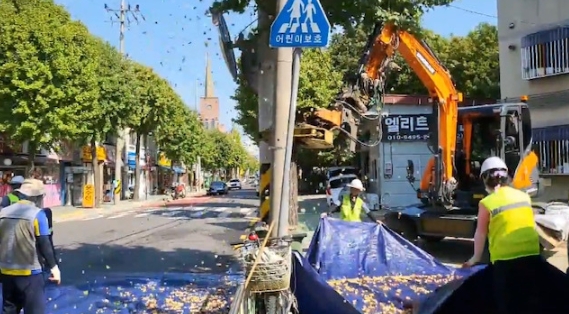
(299, 24)
(279, 138)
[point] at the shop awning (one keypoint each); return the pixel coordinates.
(176, 169)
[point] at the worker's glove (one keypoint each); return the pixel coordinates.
(55, 275)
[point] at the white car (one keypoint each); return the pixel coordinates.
(337, 186)
(234, 184)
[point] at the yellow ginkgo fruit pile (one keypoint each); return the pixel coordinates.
(388, 294)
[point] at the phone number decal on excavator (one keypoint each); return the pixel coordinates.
(406, 137)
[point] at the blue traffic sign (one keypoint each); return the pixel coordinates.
(300, 24)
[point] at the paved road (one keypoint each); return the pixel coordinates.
(185, 238)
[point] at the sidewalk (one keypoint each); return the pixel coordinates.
(67, 213)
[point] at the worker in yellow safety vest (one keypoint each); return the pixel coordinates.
(350, 206)
(14, 196)
(506, 218)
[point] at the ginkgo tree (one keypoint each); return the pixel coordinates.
(44, 85)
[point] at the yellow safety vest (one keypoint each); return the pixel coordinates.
(13, 198)
(349, 213)
(511, 233)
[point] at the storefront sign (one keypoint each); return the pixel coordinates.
(101, 154)
(405, 128)
(89, 196)
(131, 159)
(163, 161)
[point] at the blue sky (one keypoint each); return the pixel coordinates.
(176, 36)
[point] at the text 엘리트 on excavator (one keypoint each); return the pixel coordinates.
(460, 139)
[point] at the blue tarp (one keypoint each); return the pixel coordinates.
(160, 293)
(365, 268)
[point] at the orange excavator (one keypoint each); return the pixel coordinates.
(460, 138)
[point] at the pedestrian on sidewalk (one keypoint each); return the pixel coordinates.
(24, 242)
(14, 196)
(350, 206)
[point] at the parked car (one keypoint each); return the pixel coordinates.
(336, 186)
(234, 184)
(218, 188)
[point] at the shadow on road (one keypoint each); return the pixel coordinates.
(86, 261)
(233, 225)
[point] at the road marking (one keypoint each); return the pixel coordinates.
(170, 213)
(93, 218)
(198, 214)
(120, 215)
(225, 214)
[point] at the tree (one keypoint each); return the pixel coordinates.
(110, 111)
(474, 61)
(182, 138)
(156, 104)
(223, 152)
(48, 67)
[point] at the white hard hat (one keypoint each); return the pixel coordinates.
(493, 163)
(17, 180)
(356, 184)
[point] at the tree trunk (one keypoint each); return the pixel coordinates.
(136, 194)
(32, 156)
(96, 172)
(293, 193)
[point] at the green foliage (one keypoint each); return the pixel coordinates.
(347, 13)
(472, 61)
(111, 109)
(57, 81)
(47, 72)
(224, 151)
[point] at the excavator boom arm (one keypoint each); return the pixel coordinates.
(433, 75)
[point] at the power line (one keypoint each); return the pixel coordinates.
(125, 16)
(554, 24)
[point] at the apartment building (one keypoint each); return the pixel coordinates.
(534, 61)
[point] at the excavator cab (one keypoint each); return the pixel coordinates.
(502, 130)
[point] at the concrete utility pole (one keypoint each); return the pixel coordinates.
(121, 16)
(266, 100)
(281, 119)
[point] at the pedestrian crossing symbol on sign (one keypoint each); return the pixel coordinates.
(302, 24)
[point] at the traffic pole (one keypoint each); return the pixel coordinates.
(279, 140)
(266, 98)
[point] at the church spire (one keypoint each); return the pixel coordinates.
(209, 90)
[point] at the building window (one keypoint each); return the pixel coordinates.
(553, 157)
(206, 123)
(545, 53)
(551, 144)
(213, 124)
